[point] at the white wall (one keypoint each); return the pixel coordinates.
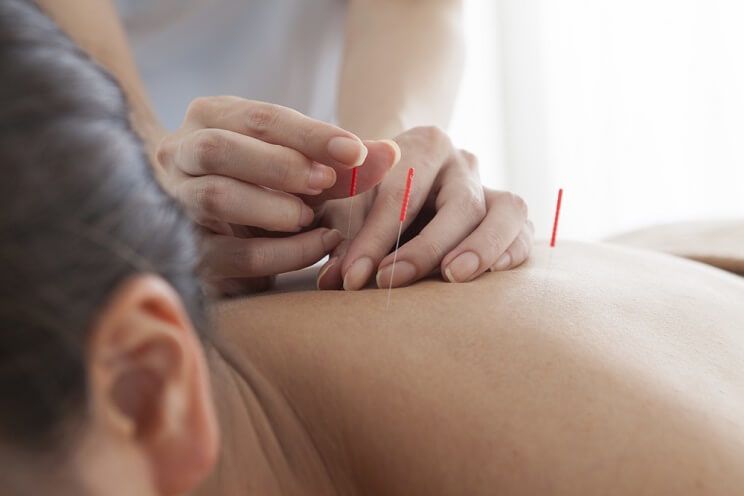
(636, 107)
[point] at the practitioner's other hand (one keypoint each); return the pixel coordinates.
(250, 172)
(456, 225)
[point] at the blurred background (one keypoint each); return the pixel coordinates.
(635, 107)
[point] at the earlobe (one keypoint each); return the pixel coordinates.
(150, 385)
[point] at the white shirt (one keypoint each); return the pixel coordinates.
(282, 51)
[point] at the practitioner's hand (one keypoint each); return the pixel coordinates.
(249, 172)
(457, 226)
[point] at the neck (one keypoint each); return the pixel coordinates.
(16, 479)
(266, 448)
(92, 467)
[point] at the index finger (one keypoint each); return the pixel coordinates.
(317, 140)
(383, 155)
(377, 236)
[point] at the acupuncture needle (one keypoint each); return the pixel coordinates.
(557, 215)
(403, 212)
(542, 291)
(352, 192)
(549, 266)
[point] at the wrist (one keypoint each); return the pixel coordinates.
(382, 128)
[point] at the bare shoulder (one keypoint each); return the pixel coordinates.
(586, 363)
(590, 280)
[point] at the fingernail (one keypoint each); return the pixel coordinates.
(462, 268)
(324, 271)
(307, 216)
(331, 239)
(358, 274)
(405, 273)
(321, 177)
(503, 262)
(397, 151)
(347, 150)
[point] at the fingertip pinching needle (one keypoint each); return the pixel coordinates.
(352, 193)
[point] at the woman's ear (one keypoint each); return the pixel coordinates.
(149, 383)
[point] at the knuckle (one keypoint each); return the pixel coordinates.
(285, 172)
(435, 252)
(394, 199)
(199, 106)
(519, 204)
(437, 138)
(210, 149)
(164, 151)
(308, 135)
(289, 214)
(209, 196)
(471, 161)
(433, 134)
(281, 173)
(251, 262)
(524, 243)
(520, 250)
(434, 144)
(472, 204)
(260, 118)
(494, 240)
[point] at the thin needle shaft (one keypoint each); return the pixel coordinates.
(352, 192)
(392, 271)
(348, 229)
(403, 213)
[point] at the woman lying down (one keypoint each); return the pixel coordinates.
(590, 370)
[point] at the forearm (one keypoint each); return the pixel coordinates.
(402, 65)
(95, 26)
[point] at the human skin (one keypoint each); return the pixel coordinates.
(589, 370)
(401, 68)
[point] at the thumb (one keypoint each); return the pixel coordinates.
(329, 276)
(381, 157)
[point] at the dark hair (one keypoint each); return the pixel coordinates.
(80, 212)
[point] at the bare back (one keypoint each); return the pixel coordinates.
(590, 369)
